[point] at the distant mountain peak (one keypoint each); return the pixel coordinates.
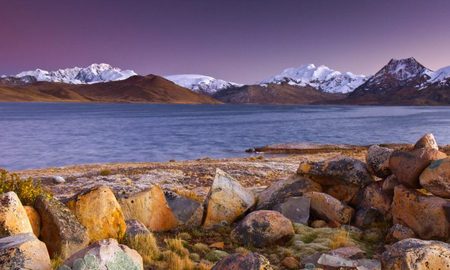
(201, 83)
(319, 77)
(93, 73)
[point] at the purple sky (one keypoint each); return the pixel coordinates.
(239, 40)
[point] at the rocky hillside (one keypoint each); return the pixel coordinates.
(276, 94)
(387, 209)
(136, 89)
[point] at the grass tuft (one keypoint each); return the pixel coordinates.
(146, 246)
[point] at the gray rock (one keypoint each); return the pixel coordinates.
(60, 229)
(337, 170)
(378, 160)
(263, 228)
(23, 251)
(427, 141)
(283, 189)
(296, 209)
(58, 179)
(135, 227)
(188, 212)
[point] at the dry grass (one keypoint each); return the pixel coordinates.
(105, 172)
(57, 262)
(146, 246)
(177, 262)
(177, 245)
(26, 189)
(341, 239)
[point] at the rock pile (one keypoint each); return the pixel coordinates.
(329, 214)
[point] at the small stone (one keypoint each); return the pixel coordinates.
(399, 232)
(217, 245)
(215, 255)
(319, 223)
(366, 217)
(427, 141)
(59, 179)
(290, 263)
(263, 228)
(134, 228)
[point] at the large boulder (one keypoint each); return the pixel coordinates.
(106, 254)
(337, 170)
(60, 229)
(249, 261)
(426, 215)
(189, 213)
(226, 201)
(23, 251)
(263, 228)
(151, 208)
(415, 254)
(436, 178)
(378, 160)
(13, 217)
(389, 184)
(427, 141)
(330, 208)
(283, 189)
(98, 210)
(296, 209)
(35, 219)
(408, 165)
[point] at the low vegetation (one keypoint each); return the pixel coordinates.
(26, 189)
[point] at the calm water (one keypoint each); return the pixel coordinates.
(34, 135)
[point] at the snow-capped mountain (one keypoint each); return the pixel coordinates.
(322, 78)
(201, 83)
(440, 76)
(94, 73)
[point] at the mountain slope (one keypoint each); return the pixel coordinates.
(321, 78)
(136, 89)
(275, 94)
(201, 83)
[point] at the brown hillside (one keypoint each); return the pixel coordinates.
(136, 89)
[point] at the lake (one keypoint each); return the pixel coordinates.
(35, 135)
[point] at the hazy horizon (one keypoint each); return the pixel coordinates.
(241, 41)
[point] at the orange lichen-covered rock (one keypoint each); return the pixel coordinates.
(101, 214)
(13, 217)
(151, 208)
(35, 219)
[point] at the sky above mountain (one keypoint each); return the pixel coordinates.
(236, 40)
